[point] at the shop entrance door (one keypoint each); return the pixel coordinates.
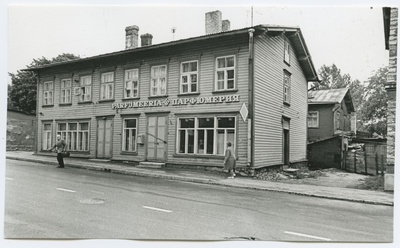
(157, 138)
(104, 137)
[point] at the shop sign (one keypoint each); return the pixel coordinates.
(177, 102)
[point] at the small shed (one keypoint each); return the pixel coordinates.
(328, 153)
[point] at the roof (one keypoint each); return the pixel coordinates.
(293, 33)
(331, 96)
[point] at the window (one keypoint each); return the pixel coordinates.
(86, 89)
(129, 135)
(286, 87)
(48, 93)
(312, 119)
(208, 135)
(76, 134)
(66, 90)
(107, 86)
(131, 83)
(286, 56)
(189, 77)
(158, 85)
(46, 142)
(225, 73)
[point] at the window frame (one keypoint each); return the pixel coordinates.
(286, 51)
(225, 70)
(123, 148)
(188, 74)
(138, 83)
(105, 93)
(63, 89)
(158, 85)
(86, 88)
(80, 141)
(196, 129)
(287, 87)
(47, 132)
(317, 119)
(47, 98)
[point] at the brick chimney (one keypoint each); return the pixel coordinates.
(146, 39)
(131, 37)
(226, 25)
(213, 22)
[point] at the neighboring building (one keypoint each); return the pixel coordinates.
(180, 102)
(330, 112)
(20, 131)
(328, 153)
(390, 18)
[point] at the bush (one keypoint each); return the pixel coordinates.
(373, 183)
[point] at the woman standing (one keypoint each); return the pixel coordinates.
(230, 161)
(60, 146)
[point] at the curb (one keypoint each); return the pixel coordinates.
(199, 180)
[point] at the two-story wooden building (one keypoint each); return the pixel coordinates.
(180, 102)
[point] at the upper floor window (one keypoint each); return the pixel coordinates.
(107, 86)
(131, 83)
(286, 87)
(48, 93)
(225, 73)
(66, 88)
(86, 89)
(158, 85)
(189, 77)
(312, 119)
(286, 56)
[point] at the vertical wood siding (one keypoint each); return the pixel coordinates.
(269, 107)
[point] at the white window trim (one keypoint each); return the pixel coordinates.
(64, 134)
(107, 92)
(44, 135)
(123, 135)
(188, 74)
(215, 138)
(46, 93)
(158, 81)
(63, 99)
(132, 82)
(225, 70)
(287, 86)
(286, 53)
(308, 124)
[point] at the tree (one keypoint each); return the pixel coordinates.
(374, 107)
(22, 92)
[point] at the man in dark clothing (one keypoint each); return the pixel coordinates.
(60, 146)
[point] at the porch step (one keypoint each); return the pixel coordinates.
(151, 165)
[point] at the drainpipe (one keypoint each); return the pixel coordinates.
(251, 98)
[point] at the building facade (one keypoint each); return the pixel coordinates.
(330, 112)
(181, 102)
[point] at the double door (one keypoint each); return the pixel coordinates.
(157, 138)
(104, 137)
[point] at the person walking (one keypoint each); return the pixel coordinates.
(230, 161)
(61, 147)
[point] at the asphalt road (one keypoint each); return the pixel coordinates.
(44, 202)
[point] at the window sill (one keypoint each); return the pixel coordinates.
(178, 155)
(286, 103)
(313, 127)
(224, 91)
(189, 94)
(130, 99)
(87, 102)
(65, 104)
(287, 63)
(107, 100)
(129, 153)
(48, 106)
(163, 96)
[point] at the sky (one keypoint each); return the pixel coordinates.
(348, 33)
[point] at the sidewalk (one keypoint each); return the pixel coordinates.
(208, 177)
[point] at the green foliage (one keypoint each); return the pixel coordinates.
(373, 183)
(22, 93)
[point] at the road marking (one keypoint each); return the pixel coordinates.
(158, 209)
(9, 178)
(66, 190)
(308, 236)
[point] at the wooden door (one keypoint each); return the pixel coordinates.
(156, 138)
(104, 137)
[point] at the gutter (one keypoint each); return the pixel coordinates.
(251, 96)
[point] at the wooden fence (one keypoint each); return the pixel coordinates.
(371, 160)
